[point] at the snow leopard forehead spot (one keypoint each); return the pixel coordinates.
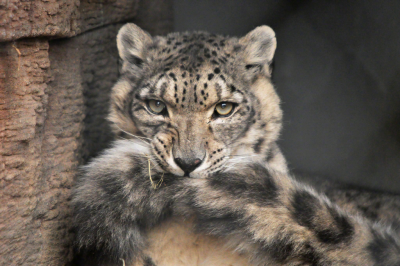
(196, 94)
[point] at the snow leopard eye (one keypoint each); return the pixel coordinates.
(156, 107)
(224, 109)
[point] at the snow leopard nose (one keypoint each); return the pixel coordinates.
(188, 165)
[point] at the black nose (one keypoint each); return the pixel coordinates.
(188, 165)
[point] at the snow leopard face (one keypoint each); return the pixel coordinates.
(202, 101)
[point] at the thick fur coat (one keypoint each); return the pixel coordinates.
(197, 177)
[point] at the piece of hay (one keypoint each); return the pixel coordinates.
(19, 55)
(153, 184)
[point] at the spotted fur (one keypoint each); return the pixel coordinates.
(191, 73)
(275, 220)
(238, 205)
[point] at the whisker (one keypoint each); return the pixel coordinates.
(237, 158)
(243, 155)
(234, 161)
(119, 137)
(143, 155)
(138, 137)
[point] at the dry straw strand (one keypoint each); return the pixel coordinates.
(153, 184)
(19, 55)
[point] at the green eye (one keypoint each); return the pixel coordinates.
(224, 108)
(155, 106)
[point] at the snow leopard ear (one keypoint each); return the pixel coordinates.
(259, 49)
(132, 43)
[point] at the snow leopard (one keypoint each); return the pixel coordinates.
(196, 176)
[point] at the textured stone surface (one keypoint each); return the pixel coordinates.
(60, 18)
(99, 60)
(37, 18)
(41, 118)
(154, 17)
(94, 13)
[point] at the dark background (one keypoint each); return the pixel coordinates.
(337, 71)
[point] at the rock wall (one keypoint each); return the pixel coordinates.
(55, 79)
